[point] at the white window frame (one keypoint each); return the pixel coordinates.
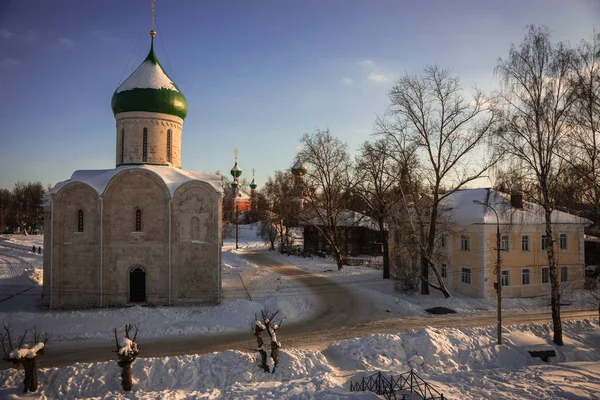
(507, 275)
(508, 243)
(564, 268)
(542, 275)
(529, 275)
(545, 242)
(560, 241)
(528, 236)
(464, 273)
(443, 241)
(465, 238)
(444, 270)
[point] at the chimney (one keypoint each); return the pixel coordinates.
(516, 200)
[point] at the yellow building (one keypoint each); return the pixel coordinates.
(467, 249)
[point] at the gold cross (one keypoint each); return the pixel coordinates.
(152, 14)
(298, 149)
(253, 171)
(236, 153)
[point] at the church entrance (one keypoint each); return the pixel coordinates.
(137, 286)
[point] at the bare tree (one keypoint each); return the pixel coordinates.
(377, 182)
(267, 323)
(24, 354)
(430, 113)
(535, 102)
(584, 127)
(127, 351)
(327, 184)
(282, 214)
(267, 230)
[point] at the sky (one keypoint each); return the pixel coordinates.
(257, 74)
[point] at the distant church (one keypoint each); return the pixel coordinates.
(146, 231)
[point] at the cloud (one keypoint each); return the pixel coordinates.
(9, 62)
(375, 77)
(6, 34)
(105, 38)
(373, 72)
(64, 43)
(347, 81)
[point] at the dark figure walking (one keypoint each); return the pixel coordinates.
(40, 250)
(33, 249)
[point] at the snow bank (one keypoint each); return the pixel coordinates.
(462, 363)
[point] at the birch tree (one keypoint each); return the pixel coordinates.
(536, 99)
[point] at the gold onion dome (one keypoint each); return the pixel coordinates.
(299, 169)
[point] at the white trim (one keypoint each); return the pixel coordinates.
(509, 277)
(542, 275)
(568, 269)
(529, 242)
(560, 248)
(470, 283)
(530, 276)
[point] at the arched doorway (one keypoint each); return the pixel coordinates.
(137, 285)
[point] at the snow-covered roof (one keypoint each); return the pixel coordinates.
(148, 75)
(172, 177)
(459, 208)
(350, 218)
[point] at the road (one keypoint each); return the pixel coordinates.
(341, 315)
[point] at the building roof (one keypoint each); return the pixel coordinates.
(459, 208)
(348, 218)
(150, 89)
(172, 177)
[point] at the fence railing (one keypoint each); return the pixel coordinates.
(391, 388)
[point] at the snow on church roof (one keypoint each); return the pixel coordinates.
(148, 75)
(172, 177)
(459, 208)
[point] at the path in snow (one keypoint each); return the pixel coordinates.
(340, 314)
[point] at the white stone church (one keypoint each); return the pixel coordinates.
(146, 231)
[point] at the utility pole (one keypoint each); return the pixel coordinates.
(498, 270)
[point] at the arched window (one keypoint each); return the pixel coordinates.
(80, 221)
(122, 145)
(138, 220)
(169, 133)
(195, 233)
(145, 146)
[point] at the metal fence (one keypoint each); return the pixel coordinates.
(391, 388)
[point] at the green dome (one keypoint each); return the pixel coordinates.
(236, 171)
(149, 89)
(253, 185)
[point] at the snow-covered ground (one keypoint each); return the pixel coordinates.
(247, 289)
(20, 296)
(460, 363)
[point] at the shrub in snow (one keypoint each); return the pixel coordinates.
(24, 355)
(267, 324)
(127, 351)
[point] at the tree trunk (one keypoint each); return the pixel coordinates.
(126, 379)
(339, 258)
(274, 354)
(30, 383)
(555, 283)
(261, 350)
(386, 255)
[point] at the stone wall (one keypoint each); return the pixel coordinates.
(130, 126)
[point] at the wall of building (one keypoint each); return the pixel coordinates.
(75, 275)
(125, 249)
(130, 134)
(196, 239)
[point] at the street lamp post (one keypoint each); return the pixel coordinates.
(236, 172)
(498, 269)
